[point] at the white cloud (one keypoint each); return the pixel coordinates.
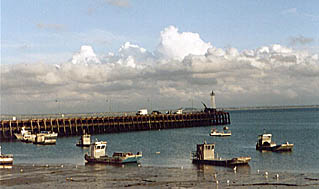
(272, 74)
(85, 56)
(175, 45)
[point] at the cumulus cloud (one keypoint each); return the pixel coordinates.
(175, 45)
(183, 68)
(85, 56)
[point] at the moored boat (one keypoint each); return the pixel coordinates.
(6, 159)
(98, 155)
(205, 154)
(24, 135)
(84, 141)
(265, 143)
(45, 137)
(214, 132)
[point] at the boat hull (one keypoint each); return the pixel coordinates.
(277, 148)
(220, 134)
(46, 143)
(224, 162)
(112, 160)
(82, 145)
(6, 160)
(18, 136)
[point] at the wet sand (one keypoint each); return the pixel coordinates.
(135, 176)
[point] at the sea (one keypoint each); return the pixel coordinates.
(173, 147)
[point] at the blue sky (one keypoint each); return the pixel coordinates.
(84, 53)
(61, 27)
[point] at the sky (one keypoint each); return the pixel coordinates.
(124, 55)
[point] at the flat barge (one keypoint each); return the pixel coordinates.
(114, 124)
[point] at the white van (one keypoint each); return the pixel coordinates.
(142, 112)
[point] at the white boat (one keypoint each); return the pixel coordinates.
(98, 155)
(6, 159)
(45, 137)
(24, 135)
(214, 132)
(84, 141)
(265, 143)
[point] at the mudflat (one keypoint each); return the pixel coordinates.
(136, 176)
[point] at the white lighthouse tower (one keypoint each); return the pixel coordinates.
(212, 100)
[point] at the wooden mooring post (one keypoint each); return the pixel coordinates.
(114, 124)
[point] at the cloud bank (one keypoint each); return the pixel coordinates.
(181, 71)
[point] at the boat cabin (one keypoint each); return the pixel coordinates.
(86, 139)
(205, 151)
(98, 149)
(265, 140)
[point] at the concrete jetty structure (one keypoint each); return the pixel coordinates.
(113, 124)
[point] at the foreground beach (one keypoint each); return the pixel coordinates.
(105, 176)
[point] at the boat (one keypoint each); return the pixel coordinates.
(45, 137)
(6, 159)
(98, 155)
(205, 154)
(214, 132)
(265, 143)
(84, 141)
(24, 135)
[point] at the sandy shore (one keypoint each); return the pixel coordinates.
(106, 176)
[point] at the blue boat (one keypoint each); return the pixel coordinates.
(98, 155)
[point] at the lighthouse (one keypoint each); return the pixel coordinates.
(212, 100)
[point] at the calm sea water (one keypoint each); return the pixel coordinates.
(298, 126)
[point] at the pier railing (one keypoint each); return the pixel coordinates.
(113, 124)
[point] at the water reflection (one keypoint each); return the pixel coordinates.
(99, 166)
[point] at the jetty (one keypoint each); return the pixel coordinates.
(114, 124)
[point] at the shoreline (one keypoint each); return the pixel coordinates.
(137, 176)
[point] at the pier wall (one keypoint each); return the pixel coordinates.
(98, 125)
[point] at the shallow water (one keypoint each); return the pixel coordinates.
(172, 148)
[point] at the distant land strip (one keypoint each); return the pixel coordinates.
(270, 107)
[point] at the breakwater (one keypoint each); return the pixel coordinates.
(113, 124)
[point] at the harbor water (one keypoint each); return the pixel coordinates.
(173, 147)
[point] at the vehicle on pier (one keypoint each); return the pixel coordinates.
(98, 155)
(265, 143)
(142, 112)
(156, 112)
(205, 154)
(84, 141)
(45, 137)
(224, 133)
(6, 159)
